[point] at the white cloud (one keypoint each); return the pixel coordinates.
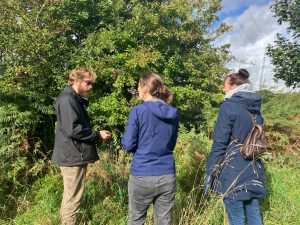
(252, 31)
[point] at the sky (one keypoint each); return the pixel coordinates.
(253, 28)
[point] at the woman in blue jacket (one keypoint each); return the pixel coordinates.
(151, 133)
(239, 181)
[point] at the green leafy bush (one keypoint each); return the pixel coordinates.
(42, 40)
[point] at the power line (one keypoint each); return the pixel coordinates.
(262, 77)
(240, 26)
(251, 15)
(238, 22)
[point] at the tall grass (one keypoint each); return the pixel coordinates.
(106, 198)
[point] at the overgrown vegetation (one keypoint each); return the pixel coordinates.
(42, 40)
(284, 53)
(105, 200)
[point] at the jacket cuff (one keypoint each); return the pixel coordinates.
(97, 136)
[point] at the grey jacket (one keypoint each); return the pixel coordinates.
(74, 140)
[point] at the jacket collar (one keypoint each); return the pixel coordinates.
(70, 90)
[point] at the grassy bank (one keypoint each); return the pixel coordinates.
(105, 199)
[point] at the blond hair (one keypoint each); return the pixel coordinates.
(80, 73)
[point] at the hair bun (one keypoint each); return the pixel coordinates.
(244, 73)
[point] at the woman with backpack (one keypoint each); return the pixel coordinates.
(240, 181)
(151, 133)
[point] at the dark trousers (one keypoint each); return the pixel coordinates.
(145, 190)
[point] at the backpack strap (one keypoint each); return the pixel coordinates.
(253, 117)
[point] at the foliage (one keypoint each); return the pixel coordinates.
(190, 153)
(288, 11)
(282, 124)
(45, 202)
(281, 206)
(281, 108)
(41, 40)
(284, 53)
(105, 199)
(281, 114)
(285, 56)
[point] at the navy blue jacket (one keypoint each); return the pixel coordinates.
(151, 133)
(236, 177)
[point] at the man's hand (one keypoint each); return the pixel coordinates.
(104, 134)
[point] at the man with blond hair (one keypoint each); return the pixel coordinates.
(74, 145)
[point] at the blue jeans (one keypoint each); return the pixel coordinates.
(239, 211)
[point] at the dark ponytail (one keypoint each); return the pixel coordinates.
(156, 87)
(242, 77)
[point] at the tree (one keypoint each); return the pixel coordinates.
(284, 53)
(41, 40)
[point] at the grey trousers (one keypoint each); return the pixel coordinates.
(145, 190)
(74, 178)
